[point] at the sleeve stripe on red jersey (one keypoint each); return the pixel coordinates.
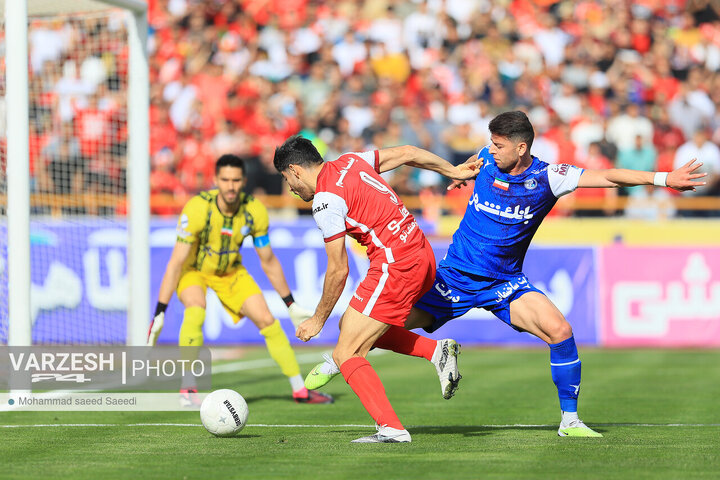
(377, 161)
(335, 237)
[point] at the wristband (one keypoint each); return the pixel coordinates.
(660, 179)
(289, 300)
(160, 308)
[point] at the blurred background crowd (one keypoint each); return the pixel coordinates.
(631, 84)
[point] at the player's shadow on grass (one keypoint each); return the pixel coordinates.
(286, 398)
(470, 430)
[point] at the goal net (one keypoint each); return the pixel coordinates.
(78, 162)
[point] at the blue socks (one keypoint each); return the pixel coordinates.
(565, 370)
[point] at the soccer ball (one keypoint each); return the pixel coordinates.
(224, 413)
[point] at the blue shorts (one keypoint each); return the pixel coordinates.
(455, 292)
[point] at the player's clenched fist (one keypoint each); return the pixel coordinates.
(309, 328)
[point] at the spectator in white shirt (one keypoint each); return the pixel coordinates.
(566, 104)
(388, 30)
(690, 109)
(421, 29)
(349, 52)
(551, 41)
(702, 149)
(624, 128)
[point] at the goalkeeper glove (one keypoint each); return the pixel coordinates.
(298, 314)
(157, 324)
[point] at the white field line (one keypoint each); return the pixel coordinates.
(352, 425)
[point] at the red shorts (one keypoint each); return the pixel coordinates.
(389, 291)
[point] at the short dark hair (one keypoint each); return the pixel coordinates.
(229, 160)
(296, 150)
(514, 125)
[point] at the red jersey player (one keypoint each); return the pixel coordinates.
(350, 197)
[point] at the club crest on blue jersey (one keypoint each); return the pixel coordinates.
(531, 183)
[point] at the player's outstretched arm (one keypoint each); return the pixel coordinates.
(335, 277)
(684, 178)
(390, 158)
(169, 283)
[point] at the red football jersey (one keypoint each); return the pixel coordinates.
(351, 197)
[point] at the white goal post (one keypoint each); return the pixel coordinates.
(16, 16)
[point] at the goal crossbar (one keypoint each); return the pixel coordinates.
(36, 8)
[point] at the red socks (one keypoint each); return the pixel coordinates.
(406, 342)
(366, 384)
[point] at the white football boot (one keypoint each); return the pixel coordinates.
(445, 360)
(386, 434)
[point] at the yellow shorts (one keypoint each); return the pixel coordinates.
(232, 289)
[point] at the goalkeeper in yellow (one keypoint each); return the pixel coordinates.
(210, 233)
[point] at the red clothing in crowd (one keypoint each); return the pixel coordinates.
(92, 127)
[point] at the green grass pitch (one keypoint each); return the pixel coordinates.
(659, 412)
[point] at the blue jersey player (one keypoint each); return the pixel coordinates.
(513, 193)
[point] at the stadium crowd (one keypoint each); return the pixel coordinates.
(605, 83)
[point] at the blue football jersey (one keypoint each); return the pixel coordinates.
(503, 214)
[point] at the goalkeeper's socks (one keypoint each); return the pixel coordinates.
(191, 337)
(279, 348)
(406, 342)
(191, 334)
(565, 368)
(366, 384)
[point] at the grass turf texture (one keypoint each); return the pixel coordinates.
(459, 438)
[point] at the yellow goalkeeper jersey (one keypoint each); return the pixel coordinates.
(217, 238)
